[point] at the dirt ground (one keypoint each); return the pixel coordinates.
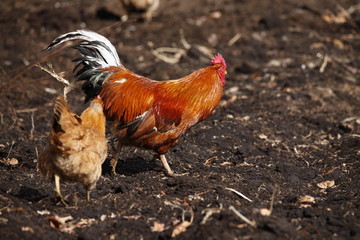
(286, 134)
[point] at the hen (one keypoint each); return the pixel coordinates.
(146, 113)
(77, 146)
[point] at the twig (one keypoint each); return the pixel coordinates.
(169, 203)
(36, 152)
(273, 199)
(208, 213)
(344, 11)
(296, 151)
(239, 193)
(26, 110)
(6, 207)
(324, 64)
(234, 39)
(191, 215)
(54, 74)
(12, 144)
(205, 50)
(9, 104)
(349, 119)
(245, 219)
(51, 72)
(353, 8)
(160, 53)
(183, 40)
(32, 126)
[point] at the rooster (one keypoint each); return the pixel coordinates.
(146, 113)
(77, 146)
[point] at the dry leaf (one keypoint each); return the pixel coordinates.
(56, 221)
(329, 171)
(158, 227)
(226, 164)
(225, 103)
(332, 18)
(307, 198)
(43, 212)
(265, 212)
(240, 226)
(13, 161)
(338, 43)
(70, 226)
(112, 236)
(216, 15)
(245, 118)
(50, 90)
(3, 220)
(210, 161)
(317, 45)
(326, 184)
(263, 136)
(180, 228)
(27, 229)
(10, 162)
(132, 217)
(305, 205)
(175, 222)
(64, 224)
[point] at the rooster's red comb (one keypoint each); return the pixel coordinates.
(218, 59)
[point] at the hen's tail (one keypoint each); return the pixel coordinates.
(96, 53)
(63, 117)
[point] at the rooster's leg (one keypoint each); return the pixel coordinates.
(57, 190)
(168, 170)
(114, 160)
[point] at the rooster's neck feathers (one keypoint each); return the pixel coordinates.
(219, 60)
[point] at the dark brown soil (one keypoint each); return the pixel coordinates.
(289, 120)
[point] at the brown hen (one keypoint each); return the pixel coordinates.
(77, 146)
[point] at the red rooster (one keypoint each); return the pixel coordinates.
(146, 113)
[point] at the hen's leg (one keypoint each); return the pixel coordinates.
(57, 190)
(88, 195)
(114, 160)
(168, 170)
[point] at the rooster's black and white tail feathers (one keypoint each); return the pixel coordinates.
(97, 53)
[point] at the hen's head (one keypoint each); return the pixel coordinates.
(219, 60)
(97, 104)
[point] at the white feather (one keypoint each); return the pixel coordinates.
(120, 80)
(112, 57)
(108, 54)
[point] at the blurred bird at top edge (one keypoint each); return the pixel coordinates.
(146, 8)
